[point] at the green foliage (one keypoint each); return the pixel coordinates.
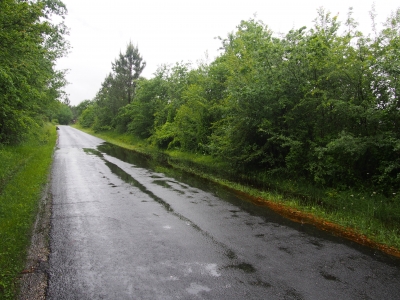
(127, 69)
(254, 100)
(165, 135)
(320, 103)
(64, 114)
(77, 110)
(138, 117)
(192, 120)
(118, 90)
(88, 116)
(29, 46)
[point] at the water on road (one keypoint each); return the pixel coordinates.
(122, 229)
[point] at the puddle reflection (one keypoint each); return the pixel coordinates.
(186, 180)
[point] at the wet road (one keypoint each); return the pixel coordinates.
(121, 229)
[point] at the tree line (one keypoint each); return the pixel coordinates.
(320, 103)
(30, 86)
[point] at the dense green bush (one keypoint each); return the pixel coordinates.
(320, 103)
(29, 84)
(87, 118)
(64, 114)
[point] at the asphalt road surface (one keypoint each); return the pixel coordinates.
(123, 229)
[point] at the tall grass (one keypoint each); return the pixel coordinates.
(24, 171)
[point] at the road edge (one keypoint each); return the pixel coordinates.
(34, 278)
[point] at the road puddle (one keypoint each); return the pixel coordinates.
(245, 267)
(129, 179)
(328, 276)
(271, 213)
(132, 181)
(164, 183)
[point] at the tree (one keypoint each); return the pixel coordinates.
(88, 115)
(64, 114)
(29, 46)
(118, 88)
(316, 104)
(253, 104)
(78, 109)
(138, 117)
(127, 69)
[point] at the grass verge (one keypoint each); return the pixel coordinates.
(24, 171)
(366, 217)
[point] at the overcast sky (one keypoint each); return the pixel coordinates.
(170, 31)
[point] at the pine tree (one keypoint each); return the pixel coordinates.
(128, 68)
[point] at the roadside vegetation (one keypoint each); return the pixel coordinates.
(24, 172)
(359, 215)
(31, 97)
(310, 118)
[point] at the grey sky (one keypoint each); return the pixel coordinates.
(170, 31)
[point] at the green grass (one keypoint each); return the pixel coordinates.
(368, 212)
(24, 171)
